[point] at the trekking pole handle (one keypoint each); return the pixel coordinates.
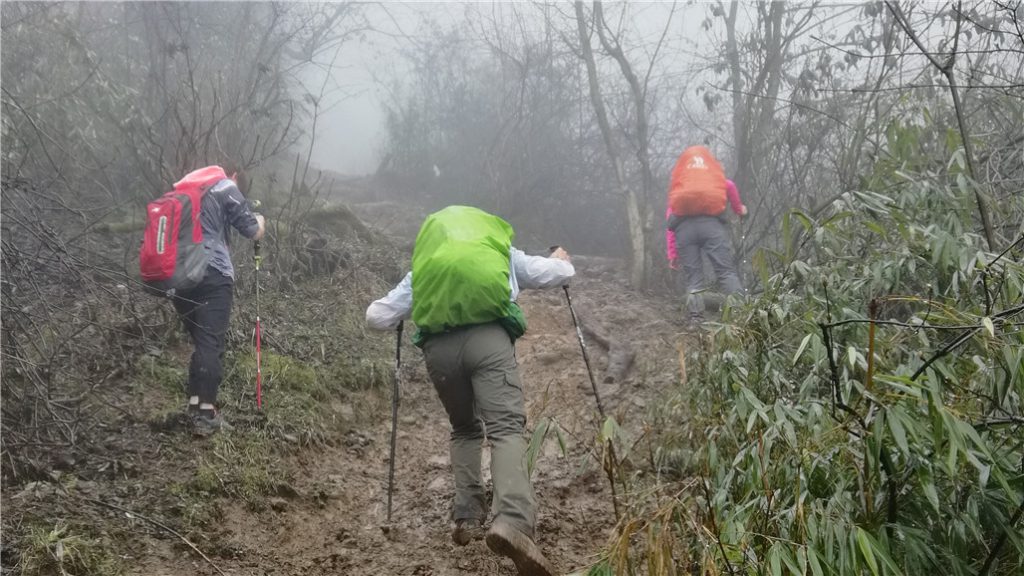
(256, 256)
(398, 345)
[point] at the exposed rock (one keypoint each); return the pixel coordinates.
(278, 504)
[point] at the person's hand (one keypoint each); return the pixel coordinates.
(673, 264)
(743, 212)
(561, 254)
(263, 226)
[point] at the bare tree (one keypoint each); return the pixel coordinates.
(634, 205)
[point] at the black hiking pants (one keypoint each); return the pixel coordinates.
(205, 312)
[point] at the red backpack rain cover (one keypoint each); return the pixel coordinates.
(698, 184)
(172, 257)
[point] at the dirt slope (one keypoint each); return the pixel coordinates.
(334, 524)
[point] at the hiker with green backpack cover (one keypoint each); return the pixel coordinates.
(461, 294)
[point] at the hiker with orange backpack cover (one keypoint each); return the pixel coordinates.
(185, 257)
(696, 225)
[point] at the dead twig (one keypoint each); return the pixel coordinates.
(160, 525)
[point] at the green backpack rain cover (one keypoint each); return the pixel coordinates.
(460, 273)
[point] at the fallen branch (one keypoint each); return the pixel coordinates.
(158, 525)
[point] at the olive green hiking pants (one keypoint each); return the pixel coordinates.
(474, 372)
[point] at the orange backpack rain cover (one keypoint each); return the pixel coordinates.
(698, 184)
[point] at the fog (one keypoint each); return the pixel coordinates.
(566, 119)
(352, 130)
(813, 370)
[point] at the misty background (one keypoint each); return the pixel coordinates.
(857, 411)
(355, 118)
(563, 118)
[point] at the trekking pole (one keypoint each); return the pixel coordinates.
(257, 260)
(583, 346)
(394, 415)
(611, 462)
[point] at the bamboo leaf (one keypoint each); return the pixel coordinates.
(561, 441)
(931, 494)
(867, 550)
(536, 441)
(774, 562)
(790, 563)
(892, 416)
(800, 350)
(989, 326)
(609, 430)
(812, 559)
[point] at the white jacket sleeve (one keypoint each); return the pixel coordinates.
(540, 271)
(386, 313)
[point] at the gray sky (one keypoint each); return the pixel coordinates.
(350, 134)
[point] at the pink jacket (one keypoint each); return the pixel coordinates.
(731, 193)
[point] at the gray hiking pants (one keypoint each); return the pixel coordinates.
(474, 372)
(696, 235)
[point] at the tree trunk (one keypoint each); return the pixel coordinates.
(740, 103)
(642, 128)
(634, 215)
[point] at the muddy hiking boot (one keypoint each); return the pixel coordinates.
(507, 541)
(466, 530)
(693, 324)
(207, 422)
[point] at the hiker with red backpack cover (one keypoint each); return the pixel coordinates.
(185, 257)
(696, 225)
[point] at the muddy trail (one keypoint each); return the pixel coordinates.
(300, 488)
(333, 522)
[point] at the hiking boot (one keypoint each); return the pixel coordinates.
(510, 542)
(466, 530)
(207, 422)
(693, 324)
(188, 419)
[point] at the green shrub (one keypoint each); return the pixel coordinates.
(815, 438)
